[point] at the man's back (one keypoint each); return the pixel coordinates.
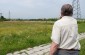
(68, 33)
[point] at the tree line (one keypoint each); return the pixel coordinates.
(2, 18)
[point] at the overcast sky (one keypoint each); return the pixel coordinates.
(35, 8)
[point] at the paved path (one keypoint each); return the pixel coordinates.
(39, 50)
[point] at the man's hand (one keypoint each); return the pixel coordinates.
(53, 48)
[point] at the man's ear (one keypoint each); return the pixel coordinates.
(61, 14)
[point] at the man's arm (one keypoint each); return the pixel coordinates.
(53, 48)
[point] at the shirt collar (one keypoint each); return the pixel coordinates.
(66, 17)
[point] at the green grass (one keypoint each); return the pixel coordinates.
(18, 35)
(82, 52)
(81, 27)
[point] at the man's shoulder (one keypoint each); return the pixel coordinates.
(65, 21)
(58, 22)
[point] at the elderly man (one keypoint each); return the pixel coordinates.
(65, 34)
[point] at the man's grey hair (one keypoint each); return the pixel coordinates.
(67, 10)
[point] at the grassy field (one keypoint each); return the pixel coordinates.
(18, 35)
(82, 52)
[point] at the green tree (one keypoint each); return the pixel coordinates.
(2, 18)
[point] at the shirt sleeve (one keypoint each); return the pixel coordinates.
(55, 37)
